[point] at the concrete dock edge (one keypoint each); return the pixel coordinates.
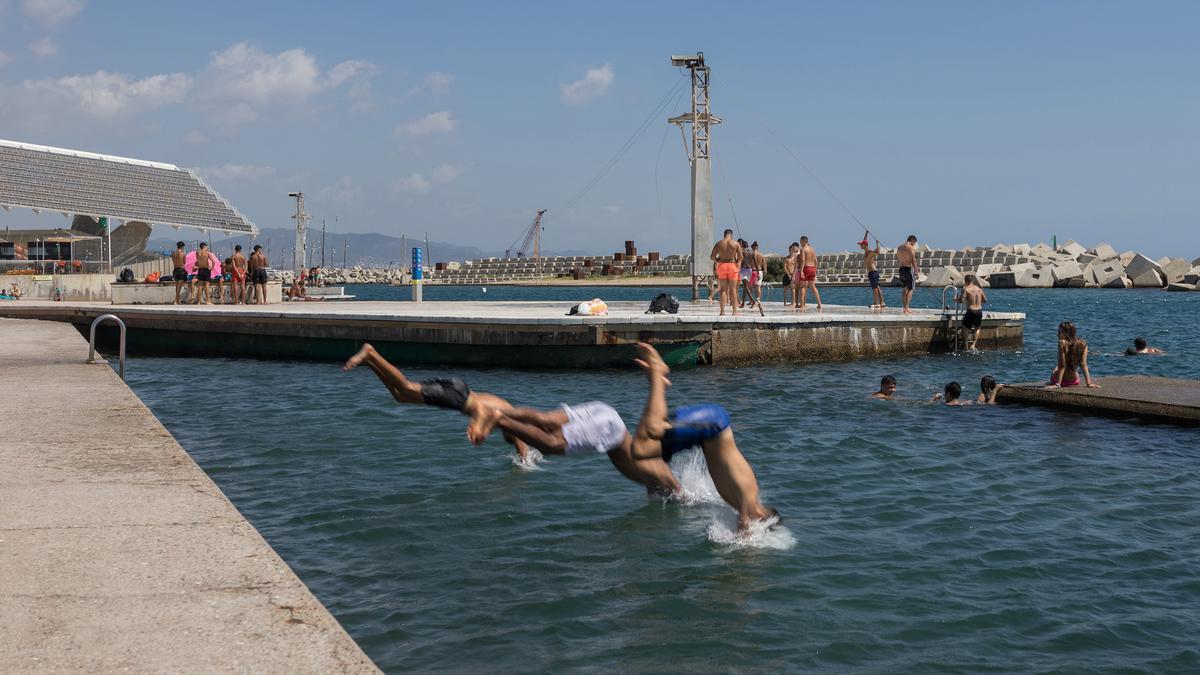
(117, 552)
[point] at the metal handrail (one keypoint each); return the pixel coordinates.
(955, 324)
(92, 340)
(948, 287)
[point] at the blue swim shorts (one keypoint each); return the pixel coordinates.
(692, 425)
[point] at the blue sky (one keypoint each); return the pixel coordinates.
(966, 123)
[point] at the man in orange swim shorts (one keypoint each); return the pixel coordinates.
(727, 255)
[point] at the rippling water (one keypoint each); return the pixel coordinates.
(918, 537)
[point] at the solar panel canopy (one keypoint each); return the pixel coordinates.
(84, 183)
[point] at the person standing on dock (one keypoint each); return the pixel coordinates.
(870, 256)
(179, 273)
(746, 274)
(789, 274)
(728, 257)
(204, 265)
(758, 272)
(906, 255)
(973, 297)
(808, 274)
(258, 274)
(238, 270)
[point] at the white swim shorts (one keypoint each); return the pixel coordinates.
(593, 427)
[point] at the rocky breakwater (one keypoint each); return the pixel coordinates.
(1071, 266)
(336, 276)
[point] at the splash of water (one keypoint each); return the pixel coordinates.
(696, 486)
(532, 461)
(762, 534)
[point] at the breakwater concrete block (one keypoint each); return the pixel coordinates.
(1085, 258)
(1106, 272)
(1138, 265)
(1034, 278)
(1149, 279)
(1192, 276)
(1072, 248)
(1067, 274)
(1104, 252)
(1175, 269)
(1127, 257)
(985, 270)
(943, 276)
(1003, 280)
(1181, 287)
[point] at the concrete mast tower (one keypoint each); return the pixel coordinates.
(701, 120)
(300, 253)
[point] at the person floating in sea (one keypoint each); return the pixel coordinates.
(238, 271)
(906, 256)
(1140, 348)
(258, 274)
(952, 395)
(887, 388)
(973, 297)
(448, 393)
(179, 273)
(870, 258)
(728, 257)
(789, 274)
(1072, 357)
(808, 274)
(988, 388)
(204, 265)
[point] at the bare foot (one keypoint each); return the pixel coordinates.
(356, 360)
(481, 425)
(650, 361)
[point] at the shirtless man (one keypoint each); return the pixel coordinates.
(973, 297)
(238, 270)
(258, 274)
(952, 396)
(789, 273)
(728, 257)
(1140, 347)
(451, 394)
(906, 255)
(179, 273)
(870, 256)
(204, 263)
(808, 274)
(758, 264)
(660, 434)
(887, 388)
(745, 274)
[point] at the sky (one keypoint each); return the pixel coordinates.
(964, 123)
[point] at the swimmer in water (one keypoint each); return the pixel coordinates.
(887, 388)
(1140, 348)
(988, 390)
(660, 434)
(451, 394)
(952, 395)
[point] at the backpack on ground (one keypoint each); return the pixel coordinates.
(664, 303)
(126, 276)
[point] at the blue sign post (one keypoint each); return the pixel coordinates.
(417, 274)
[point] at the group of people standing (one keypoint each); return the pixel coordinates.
(235, 270)
(737, 263)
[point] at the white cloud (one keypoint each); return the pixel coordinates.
(51, 12)
(43, 48)
(417, 183)
(434, 123)
(242, 79)
(343, 190)
(240, 173)
(103, 94)
(413, 184)
(593, 85)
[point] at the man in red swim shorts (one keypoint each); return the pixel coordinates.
(807, 275)
(727, 255)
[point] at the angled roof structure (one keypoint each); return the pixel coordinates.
(84, 183)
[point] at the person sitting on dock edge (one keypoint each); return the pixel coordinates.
(1072, 357)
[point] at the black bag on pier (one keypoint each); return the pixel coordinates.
(664, 303)
(126, 276)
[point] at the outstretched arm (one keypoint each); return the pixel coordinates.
(653, 424)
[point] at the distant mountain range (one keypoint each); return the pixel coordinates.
(369, 249)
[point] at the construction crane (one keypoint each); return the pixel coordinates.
(532, 235)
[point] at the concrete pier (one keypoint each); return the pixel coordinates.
(1159, 399)
(117, 552)
(529, 334)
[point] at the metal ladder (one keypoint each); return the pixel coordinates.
(953, 321)
(92, 341)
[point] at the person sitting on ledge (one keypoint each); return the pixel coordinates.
(1139, 347)
(1072, 357)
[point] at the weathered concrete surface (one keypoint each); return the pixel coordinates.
(525, 334)
(1156, 398)
(117, 553)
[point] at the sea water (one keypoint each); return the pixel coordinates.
(915, 537)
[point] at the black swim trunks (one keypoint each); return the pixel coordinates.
(179, 274)
(907, 279)
(873, 277)
(259, 276)
(973, 319)
(203, 274)
(448, 393)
